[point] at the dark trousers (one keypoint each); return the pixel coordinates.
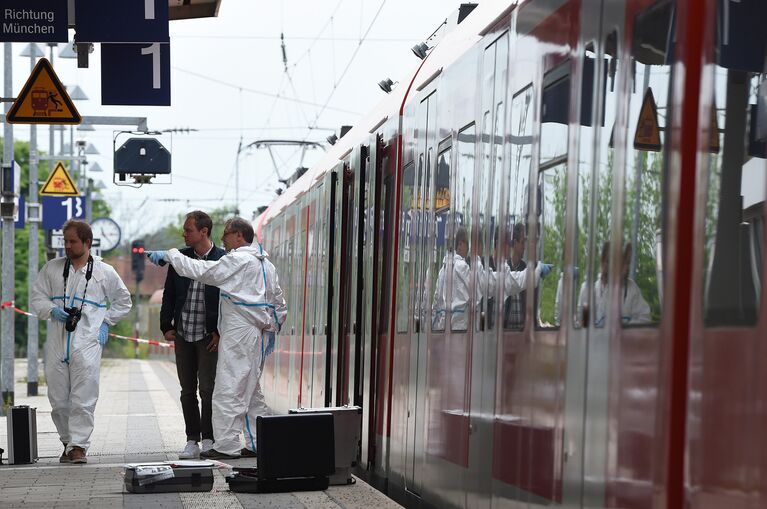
(194, 362)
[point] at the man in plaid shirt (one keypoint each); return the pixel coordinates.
(189, 316)
(514, 310)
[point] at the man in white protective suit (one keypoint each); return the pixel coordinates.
(251, 306)
(76, 285)
(514, 282)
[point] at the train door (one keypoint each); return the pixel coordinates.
(345, 263)
(486, 264)
(528, 424)
(387, 166)
(358, 165)
(336, 313)
(420, 293)
(298, 302)
(593, 89)
(311, 277)
(371, 297)
(274, 246)
(282, 354)
(322, 316)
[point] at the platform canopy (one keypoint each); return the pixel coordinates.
(187, 9)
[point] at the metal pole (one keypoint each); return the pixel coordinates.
(7, 340)
(138, 318)
(51, 140)
(32, 323)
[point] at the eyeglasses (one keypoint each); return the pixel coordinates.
(230, 232)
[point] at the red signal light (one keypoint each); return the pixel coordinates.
(141, 250)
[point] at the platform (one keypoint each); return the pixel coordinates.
(138, 419)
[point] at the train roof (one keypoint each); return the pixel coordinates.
(457, 41)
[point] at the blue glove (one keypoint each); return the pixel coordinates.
(59, 314)
(157, 256)
(545, 268)
(103, 333)
(270, 337)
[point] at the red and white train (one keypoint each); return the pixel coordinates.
(627, 138)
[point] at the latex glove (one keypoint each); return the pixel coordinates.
(545, 268)
(103, 333)
(59, 314)
(157, 256)
(270, 339)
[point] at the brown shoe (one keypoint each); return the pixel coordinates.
(64, 458)
(77, 455)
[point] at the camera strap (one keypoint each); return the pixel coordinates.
(88, 275)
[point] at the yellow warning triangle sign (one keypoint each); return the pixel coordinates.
(59, 183)
(647, 135)
(43, 100)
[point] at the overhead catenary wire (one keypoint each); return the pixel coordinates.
(257, 92)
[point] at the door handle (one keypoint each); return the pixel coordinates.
(585, 315)
(417, 325)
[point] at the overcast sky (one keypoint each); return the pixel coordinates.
(225, 75)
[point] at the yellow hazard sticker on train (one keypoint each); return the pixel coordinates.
(43, 100)
(647, 135)
(59, 183)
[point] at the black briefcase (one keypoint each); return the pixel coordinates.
(169, 477)
(295, 453)
(22, 435)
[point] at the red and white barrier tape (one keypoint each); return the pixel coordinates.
(9, 304)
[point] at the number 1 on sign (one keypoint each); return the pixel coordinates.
(154, 50)
(78, 207)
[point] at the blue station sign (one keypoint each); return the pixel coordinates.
(135, 74)
(137, 21)
(33, 21)
(57, 210)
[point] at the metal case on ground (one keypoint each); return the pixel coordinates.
(22, 435)
(185, 478)
(347, 425)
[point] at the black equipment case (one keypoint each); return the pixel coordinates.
(22, 435)
(295, 453)
(169, 477)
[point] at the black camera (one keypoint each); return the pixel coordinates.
(74, 317)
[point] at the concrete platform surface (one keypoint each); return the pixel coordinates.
(138, 419)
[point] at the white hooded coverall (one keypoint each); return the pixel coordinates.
(514, 282)
(72, 359)
(250, 304)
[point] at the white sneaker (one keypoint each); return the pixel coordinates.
(191, 451)
(207, 444)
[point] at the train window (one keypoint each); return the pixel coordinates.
(461, 240)
(552, 188)
(641, 261)
(555, 107)
(441, 215)
(602, 199)
(737, 164)
(514, 306)
(405, 226)
(584, 186)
